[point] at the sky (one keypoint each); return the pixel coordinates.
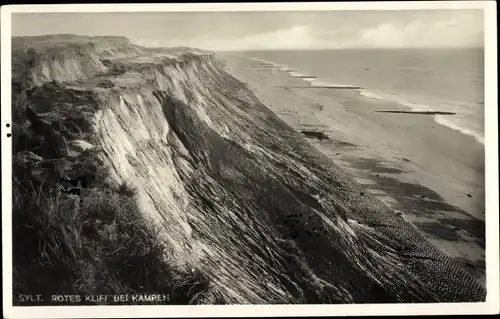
(269, 30)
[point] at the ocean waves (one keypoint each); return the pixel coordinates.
(468, 118)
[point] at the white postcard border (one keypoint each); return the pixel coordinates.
(491, 305)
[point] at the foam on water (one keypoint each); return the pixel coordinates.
(322, 83)
(443, 120)
(315, 81)
(466, 120)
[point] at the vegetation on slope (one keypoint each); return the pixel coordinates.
(74, 232)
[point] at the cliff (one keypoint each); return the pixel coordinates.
(231, 204)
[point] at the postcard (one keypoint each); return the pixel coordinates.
(256, 159)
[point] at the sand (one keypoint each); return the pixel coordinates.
(430, 173)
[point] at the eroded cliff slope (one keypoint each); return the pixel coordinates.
(238, 202)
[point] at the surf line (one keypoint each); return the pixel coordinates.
(320, 87)
(419, 112)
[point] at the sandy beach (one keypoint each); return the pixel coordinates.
(430, 173)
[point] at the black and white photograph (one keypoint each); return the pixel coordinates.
(237, 154)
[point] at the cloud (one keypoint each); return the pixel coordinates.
(423, 34)
(295, 37)
(147, 42)
(299, 37)
(440, 30)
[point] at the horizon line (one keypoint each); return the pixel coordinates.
(261, 49)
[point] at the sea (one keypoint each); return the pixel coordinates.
(445, 80)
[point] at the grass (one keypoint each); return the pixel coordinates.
(127, 189)
(95, 243)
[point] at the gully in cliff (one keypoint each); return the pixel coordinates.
(155, 176)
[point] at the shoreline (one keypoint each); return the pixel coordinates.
(315, 82)
(403, 159)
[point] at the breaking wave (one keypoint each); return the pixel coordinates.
(467, 119)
